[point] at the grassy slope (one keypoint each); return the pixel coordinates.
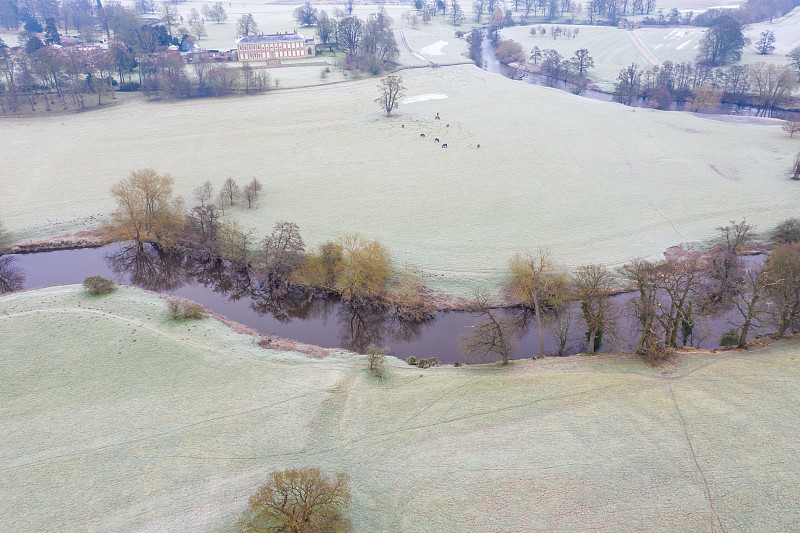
(121, 420)
(597, 182)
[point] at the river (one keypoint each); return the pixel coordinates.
(318, 321)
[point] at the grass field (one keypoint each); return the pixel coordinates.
(594, 181)
(116, 419)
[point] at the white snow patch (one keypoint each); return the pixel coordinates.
(423, 97)
(434, 49)
(683, 44)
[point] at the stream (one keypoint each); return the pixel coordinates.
(319, 321)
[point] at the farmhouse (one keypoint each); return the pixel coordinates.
(274, 46)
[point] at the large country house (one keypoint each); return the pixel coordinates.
(274, 46)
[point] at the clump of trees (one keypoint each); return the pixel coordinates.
(369, 45)
(299, 501)
(766, 86)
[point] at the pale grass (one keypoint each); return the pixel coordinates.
(125, 421)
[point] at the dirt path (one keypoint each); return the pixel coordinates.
(416, 54)
(643, 49)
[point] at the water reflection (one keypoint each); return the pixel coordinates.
(12, 277)
(358, 328)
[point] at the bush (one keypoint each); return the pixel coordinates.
(186, 310)
(411, 360)
(432, 361)
(788, 231)
(376, 357)
(423, 363)
(458, 363)
(96, 285)
(730, 338)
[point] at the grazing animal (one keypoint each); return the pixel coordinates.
(402, 125)
(437, 116)
(444, 145)
(448, 125)
(422, 135)
(479, 146)
(436, 139)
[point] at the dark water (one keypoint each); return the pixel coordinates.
(323, 322)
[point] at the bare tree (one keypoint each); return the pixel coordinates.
(794, 172)
(299, 501)
(782, 281)
(281, 252)
(792, 126)
(231, 191)
(592, 285)
(737, 235)
(12, 277)
(203, 193)
(681, 279)
(390, 91)
(536, 283)
(493, 334)
(747, 302)
(252, 191)
(642, 275)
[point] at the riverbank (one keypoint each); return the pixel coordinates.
(143, 423)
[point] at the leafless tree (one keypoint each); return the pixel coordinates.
(737, 235)
(592, 285)
(792, 126)
(390, 91)
(493, 334)
(252, 191)
(782, 282)
(203, 193)
(231, 191)
(299, 501)
(281, 252)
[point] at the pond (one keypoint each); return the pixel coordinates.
(319, 321)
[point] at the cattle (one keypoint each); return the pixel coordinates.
(444, 145)
(422, 135)
(436, 139)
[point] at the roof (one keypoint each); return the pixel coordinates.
(270, 38)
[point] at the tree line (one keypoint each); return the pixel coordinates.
(671, 297)
(765, 86)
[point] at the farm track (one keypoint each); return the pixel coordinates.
(643, 49)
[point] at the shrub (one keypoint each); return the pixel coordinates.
(788, 231)
(376, 357)
(730, 337)
(458, 363)
(186, 310)
(411, 360)
(96, 285)
(423, 363)
(432, 361)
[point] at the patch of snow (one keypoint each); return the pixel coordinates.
(423, 97)
(434, 49)
(683, 44)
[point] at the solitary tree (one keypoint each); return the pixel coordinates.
(251, 192)
(306, 15)
(582, 61)
(231, 191)
(765, 45)
(722, 43)
(246, 25)
(792, 126)
(390, 91)
(299, 501)
(203, 193)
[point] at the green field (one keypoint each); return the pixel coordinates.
(116, 419)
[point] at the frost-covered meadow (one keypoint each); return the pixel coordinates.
(594, 181)
(115, 418)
